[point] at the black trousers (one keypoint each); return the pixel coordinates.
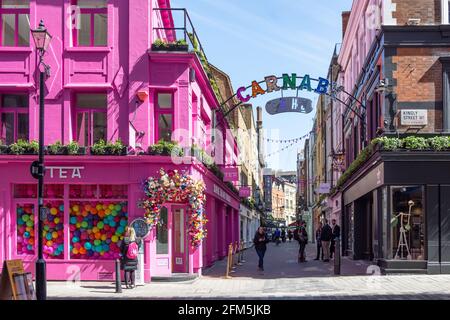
(319, 250)
(301, 252)
(332, 247)
(129, 278)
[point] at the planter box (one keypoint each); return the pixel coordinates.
(108, 152)
(4, 149)
(171, 47)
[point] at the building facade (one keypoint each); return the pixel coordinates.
(392, 74)
(110, 80)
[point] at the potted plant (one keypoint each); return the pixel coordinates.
(117, 148)
(166, 148)
(57, 149)
(99, 148)
(161, 45)
(24, 147)
(73, 148)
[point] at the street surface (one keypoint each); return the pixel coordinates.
(283, 278)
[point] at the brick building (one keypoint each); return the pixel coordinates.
(395, 60)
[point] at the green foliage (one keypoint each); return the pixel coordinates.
(55, 148)
(439, 143)
(166, 148)
(162, 44)
(24, 147)
(115, 148)
(73, 148)
(388, 144)
(415, 143)
(99, 148)
(249, 203)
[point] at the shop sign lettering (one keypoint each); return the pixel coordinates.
(65, 172)
(221, 193)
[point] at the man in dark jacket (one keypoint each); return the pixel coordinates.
(325, 238)
(302, 240)
(260, 240)
(336, 233)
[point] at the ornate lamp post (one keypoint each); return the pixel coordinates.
(42, 40)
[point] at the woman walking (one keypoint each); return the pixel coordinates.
(260, 240)
(129, 250)
(319, 242)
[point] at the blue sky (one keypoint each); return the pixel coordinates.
(251, 39)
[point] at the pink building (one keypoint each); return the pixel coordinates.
(107, 83)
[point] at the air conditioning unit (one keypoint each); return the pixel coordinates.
(413, 21)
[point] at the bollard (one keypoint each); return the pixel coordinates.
(118, 281)
(337, 257)
(230, 252)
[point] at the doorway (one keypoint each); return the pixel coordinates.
(172, 251)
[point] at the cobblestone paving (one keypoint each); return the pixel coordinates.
(283, 278)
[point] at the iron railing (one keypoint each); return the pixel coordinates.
(189, 35)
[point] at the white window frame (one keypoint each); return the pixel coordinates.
(445, 11)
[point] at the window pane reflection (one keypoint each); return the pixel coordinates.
(162, 233)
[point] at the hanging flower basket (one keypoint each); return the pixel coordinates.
(172, 186)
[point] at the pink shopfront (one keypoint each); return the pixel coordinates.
(88, 210)
(107, 84)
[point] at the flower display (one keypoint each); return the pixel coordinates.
(176, 187)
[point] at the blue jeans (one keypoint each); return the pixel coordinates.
(261, 253)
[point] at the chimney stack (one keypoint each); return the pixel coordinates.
(345, 19)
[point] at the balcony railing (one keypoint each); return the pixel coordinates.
(182, 29)
(183, 36)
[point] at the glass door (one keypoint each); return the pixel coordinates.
(180, 257)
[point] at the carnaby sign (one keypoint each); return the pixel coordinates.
(230, 174)
(272, 84)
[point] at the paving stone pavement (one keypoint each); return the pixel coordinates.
(283, 278)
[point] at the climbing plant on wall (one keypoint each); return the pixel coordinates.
(172, 186)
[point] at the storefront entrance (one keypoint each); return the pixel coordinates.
(172, 252)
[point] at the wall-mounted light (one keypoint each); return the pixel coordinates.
(142, 95)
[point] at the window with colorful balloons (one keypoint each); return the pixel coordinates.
(98, 217)
(53, 233)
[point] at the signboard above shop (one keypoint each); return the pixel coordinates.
(230, 174)
(414, 117)
(245, 192)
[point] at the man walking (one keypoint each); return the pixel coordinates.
(336, 234)
(325, 238)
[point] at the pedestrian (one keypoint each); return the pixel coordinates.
(319, 242)
(129, 250)
(277, 236)
(303, 241)
(260, 240)
(325, 238)
(283, 235)
(290, 235)
(336, 235)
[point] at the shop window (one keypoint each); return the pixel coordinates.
(97, 226)
(85, 191)
(162, 233)
(25, 191)
(408, 223)
(14, 23)
(92, 27)
(113, 192)
(25, 229)
(445, 11)
(54, 229)
(91, 118)
(164, 116)
(14, 119)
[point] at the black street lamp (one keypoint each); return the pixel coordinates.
(42, 40)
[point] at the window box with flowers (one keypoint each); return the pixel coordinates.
(22, 147)
(71, 149)
(102, 148)
(161, 45)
